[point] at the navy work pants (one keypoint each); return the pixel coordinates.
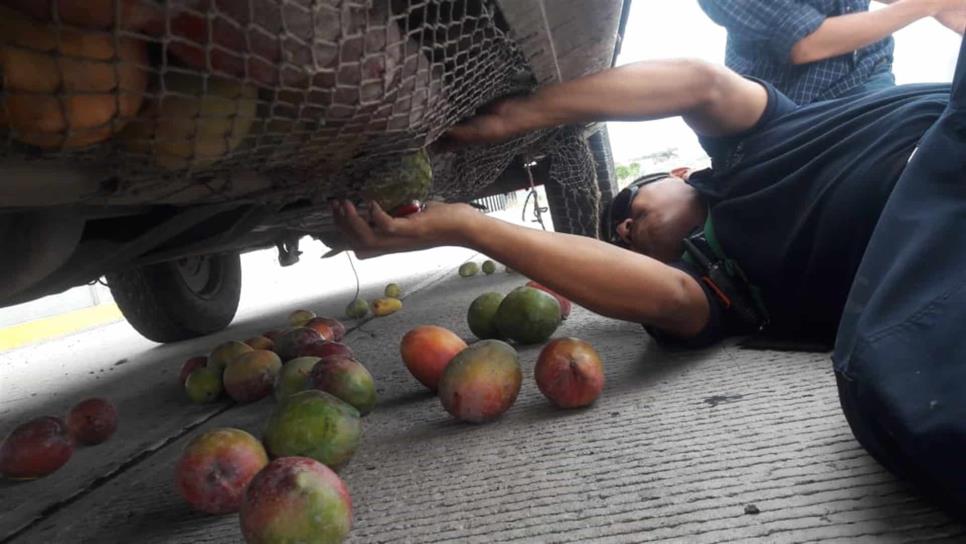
(900, 355)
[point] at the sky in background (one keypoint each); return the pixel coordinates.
(925, 52)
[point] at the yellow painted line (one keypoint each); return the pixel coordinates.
(57, 326)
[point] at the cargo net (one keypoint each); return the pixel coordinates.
(572, 188)
(205, 100)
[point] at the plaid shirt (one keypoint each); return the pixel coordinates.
(762, 33)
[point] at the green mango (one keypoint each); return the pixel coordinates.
(400, 181)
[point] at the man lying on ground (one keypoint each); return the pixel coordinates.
(841, 220)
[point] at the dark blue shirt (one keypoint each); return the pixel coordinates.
(762, 33)
(794, 200)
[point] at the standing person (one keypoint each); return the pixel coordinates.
(847, 217)
(813, 50)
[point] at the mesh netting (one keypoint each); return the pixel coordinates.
(572, 185)
(205, 100)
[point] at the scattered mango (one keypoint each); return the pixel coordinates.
(481, 382)
(382, 307)
(92, 421)
(215, 468)
(225, 353)
(296, 499)
(35, 449)
(569, 372)
(314, 424)
(481, 315)
(528, 315)
(299, 318)
(203, 385)
(427, 350)
(469, 269)
(357, 309)
(347, 379)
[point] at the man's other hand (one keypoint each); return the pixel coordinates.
(438, 224)
(495, 123)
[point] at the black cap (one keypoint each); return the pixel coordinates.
(620, 206)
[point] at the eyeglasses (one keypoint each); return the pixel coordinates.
(620, 207)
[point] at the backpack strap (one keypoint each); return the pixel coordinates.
(724, 276)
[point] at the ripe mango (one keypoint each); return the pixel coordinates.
(216, 467)
(35, 449)
(384, 306)
(66, 87)
(427, 350)
(252, 376)
(225, 353)
(569, 372)
(481, 382)
(296, 499)
(92, 421)
(294, 377)
(290, 345)
(195, 123)
(347, 379)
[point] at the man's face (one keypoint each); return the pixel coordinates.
(662, 214)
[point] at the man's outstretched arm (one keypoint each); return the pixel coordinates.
(601, 277)
(712, 99)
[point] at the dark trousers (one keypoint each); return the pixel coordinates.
(900, 354)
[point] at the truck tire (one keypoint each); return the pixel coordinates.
(599, 143)
(179, 300)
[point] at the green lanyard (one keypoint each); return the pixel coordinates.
(712, 239)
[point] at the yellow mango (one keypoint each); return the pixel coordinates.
(385, 306)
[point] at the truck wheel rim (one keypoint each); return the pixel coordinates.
(200, 275)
